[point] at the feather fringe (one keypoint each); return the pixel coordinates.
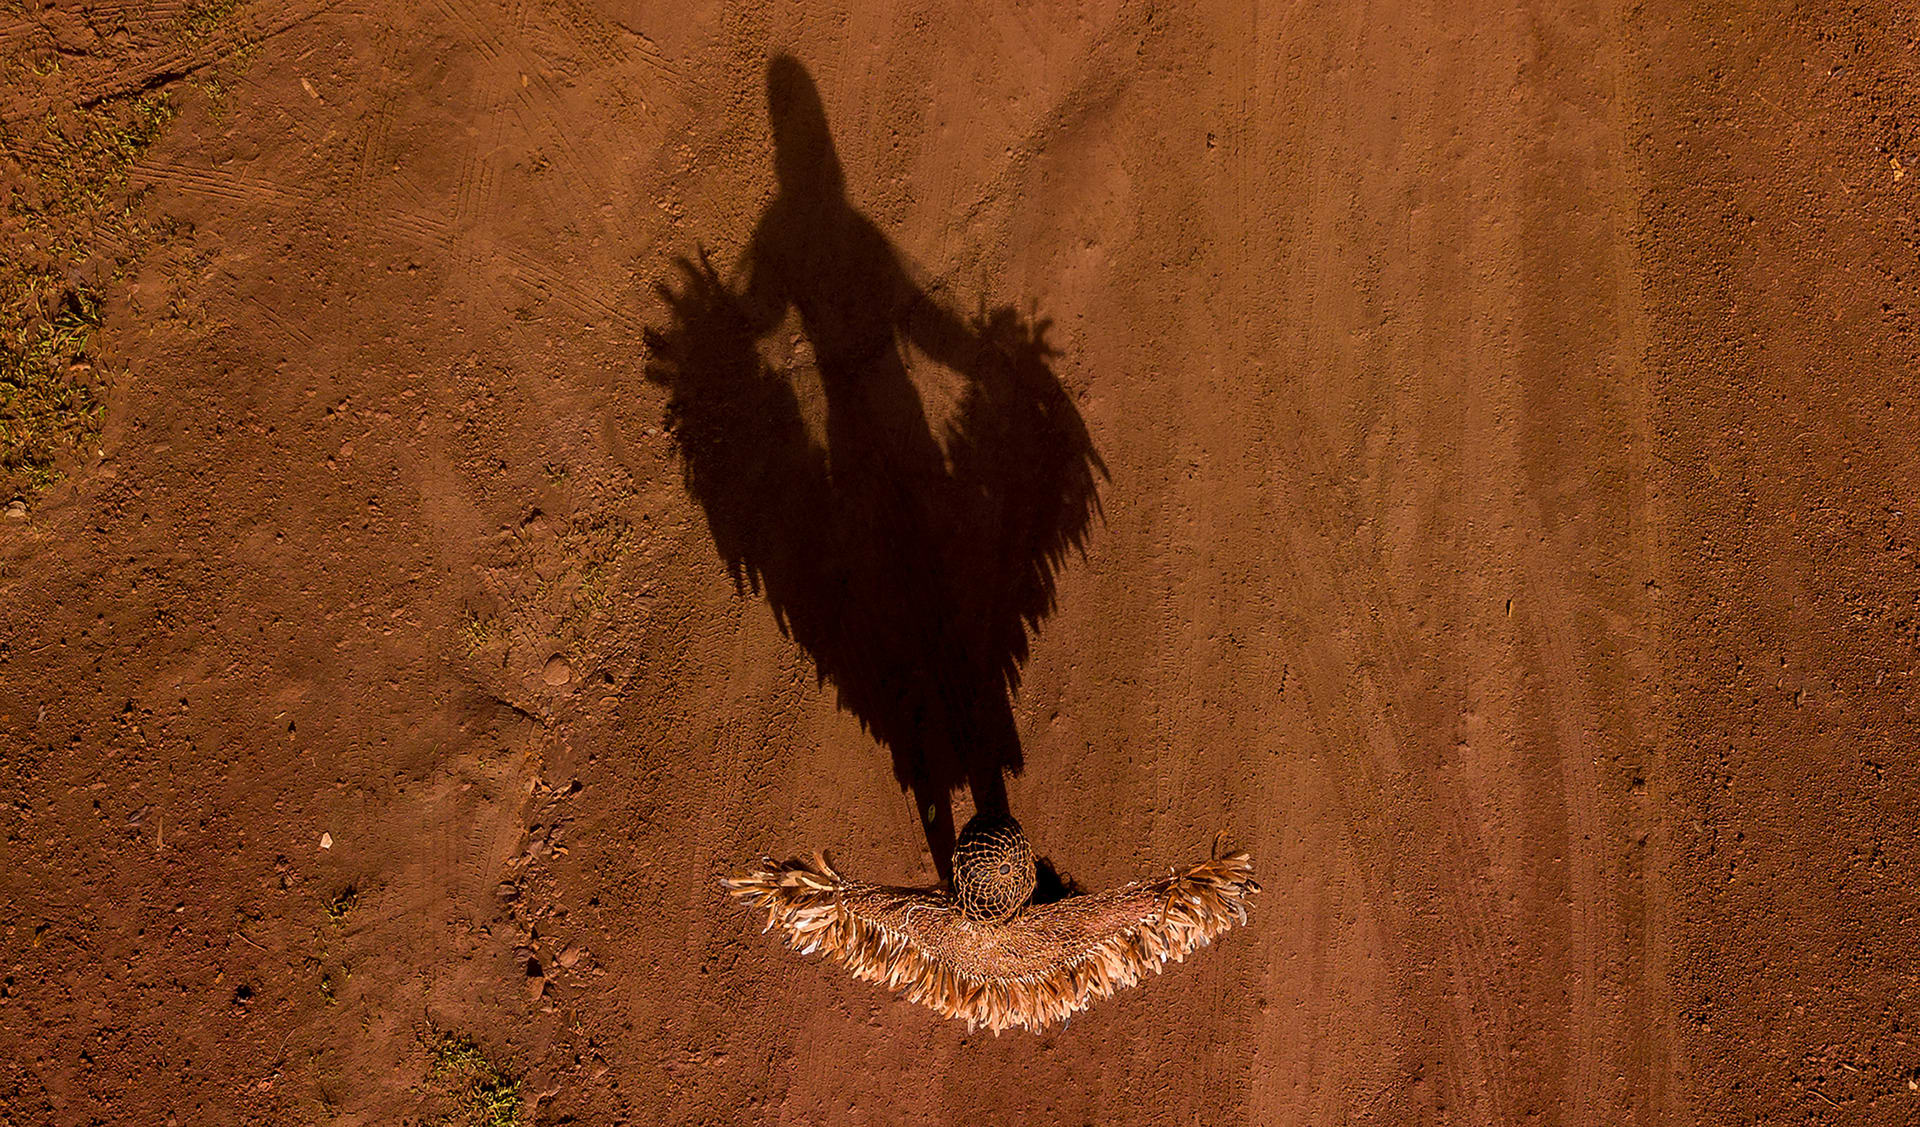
(1044, 965)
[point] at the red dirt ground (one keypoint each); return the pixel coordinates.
(1508, 416)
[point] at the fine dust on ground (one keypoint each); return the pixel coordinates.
(1467, 453)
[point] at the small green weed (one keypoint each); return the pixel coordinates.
(198, 25)
(341, 904)
(483, 1095)
(478, 632)
(200, 21)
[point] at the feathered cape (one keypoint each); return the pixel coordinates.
(1045, 964)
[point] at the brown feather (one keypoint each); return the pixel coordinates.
(1044, 964)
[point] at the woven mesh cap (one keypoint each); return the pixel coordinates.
(993, 874)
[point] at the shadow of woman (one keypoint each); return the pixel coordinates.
(911, 566)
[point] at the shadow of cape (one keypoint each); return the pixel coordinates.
(913, 582)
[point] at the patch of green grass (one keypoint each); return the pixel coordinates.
(478, 632)
(593, 545)
(200, 21)
(79, 161)
(217, 79)
(216, 82)
(68, 224)
(48, 402)
(341, 904)
(483, 1094)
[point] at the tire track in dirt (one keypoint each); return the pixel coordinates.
(527, 271)
(1100, 83)
(235, 187)
(1380, 758)
(241, 188)
(163, 67)
(228, 286)
(1394, 842)
(530, 99)
(476, 193)
(1449, 861)
(372, 162)
(15, 32)
(584, 171)
(536, 95)
(462, 14)
(517, 266)
(376, 127)
(478, 180)
(1588, 623)
(611, 42)
(105, 20)
(478, 183)
(159, 11)
(419, 228)
(1415, 836)
(1306, 1078)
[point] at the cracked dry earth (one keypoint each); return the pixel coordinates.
(1509, 536)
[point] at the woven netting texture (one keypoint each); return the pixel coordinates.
(1037, 968)
(993, 869)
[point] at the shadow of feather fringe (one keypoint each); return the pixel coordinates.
(1042, 966)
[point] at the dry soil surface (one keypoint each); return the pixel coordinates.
(1501, 422)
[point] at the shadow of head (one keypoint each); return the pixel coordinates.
(804, 159)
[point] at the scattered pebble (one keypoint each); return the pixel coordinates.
(558, 672)
(326, 841)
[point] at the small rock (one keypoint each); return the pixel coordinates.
(569, 957)
(326, 841)
(558, 672)
(17, 509)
